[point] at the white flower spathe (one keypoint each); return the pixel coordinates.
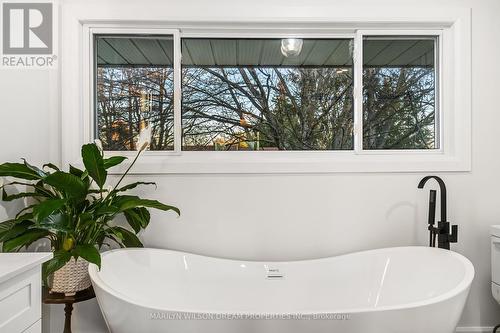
(98, 143)
(144, 138)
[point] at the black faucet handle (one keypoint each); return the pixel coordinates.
(453, 238)
(432, 207)
(434, 229)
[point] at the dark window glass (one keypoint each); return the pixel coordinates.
(134, 91)
(266, 94)
(250, 94)
(399, 93)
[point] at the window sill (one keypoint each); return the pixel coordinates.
(297, 162)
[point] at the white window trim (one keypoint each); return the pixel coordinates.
(358, 91)
(89, 120)
(454, 153)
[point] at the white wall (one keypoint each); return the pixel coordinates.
(280, 217)
(25, 128)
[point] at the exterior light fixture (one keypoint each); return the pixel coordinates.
(291, 47)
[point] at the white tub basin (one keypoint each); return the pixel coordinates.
(393, 290)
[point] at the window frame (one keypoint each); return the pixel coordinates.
(453, 153)
(438, 72)
(90, 123)
(253, 33)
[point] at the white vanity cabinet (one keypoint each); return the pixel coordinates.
(21, 292)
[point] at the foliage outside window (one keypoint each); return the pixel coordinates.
(246, 94)
(134, 91)
(237, 99)
(399, 104)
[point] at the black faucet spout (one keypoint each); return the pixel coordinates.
(442, 231)
(442, 190)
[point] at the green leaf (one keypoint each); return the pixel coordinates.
(107, 210)
(126, 202)
(59, 259)
(100, 239)
(134, 185)
(75, 171)
(7, 197)
(127, 238)
(16, 230)
(18, 215)
(25, 216)
(86, 224)
(70, 184)
(56, 222)
(137, 218)
(24, 239)
(85, 216)
(6, 225)
(47, 207)
(146, 217)
(39, 188)
(112, 161)
(10, 229)
(35, 169)
(51, 166)
(94, 163)
(18, 170)
(17, 183)
(133, 219)
(89, 253)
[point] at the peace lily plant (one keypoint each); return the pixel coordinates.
(74, 210)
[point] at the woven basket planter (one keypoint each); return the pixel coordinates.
(72, 277)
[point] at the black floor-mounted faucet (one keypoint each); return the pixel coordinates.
(443, 227)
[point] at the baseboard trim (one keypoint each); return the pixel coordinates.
(474, 329)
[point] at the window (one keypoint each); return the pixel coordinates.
(366, 96)
(248, 94)
(134, 91)
(399, 93)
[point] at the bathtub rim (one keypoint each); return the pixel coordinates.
(464, 284)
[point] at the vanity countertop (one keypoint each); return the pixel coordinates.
(12, 264)
(495, 230)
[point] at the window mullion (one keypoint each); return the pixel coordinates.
(358, 92)
(177, 93)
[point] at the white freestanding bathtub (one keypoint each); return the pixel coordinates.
(393, 290)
